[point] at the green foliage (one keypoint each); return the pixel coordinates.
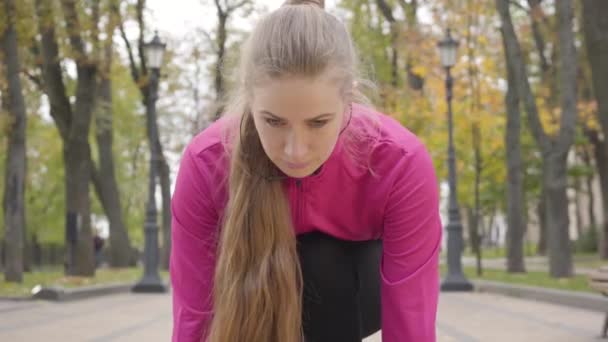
(45, 185)
(368, 30)
(539, 279)
(55, 277)
(501, 252)
(588, 241)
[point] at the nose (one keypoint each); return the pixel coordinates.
(296, 147)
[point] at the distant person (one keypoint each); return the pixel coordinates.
(98, 243)
(303, 214)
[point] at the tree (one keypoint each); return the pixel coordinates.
(595, 28)
(515, 196)
(14, 192)
(554, 147)
(387, 12)
(105, 179)
(73, 123)
(224, 10)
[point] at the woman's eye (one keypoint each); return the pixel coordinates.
(273, 122)
(318, 123)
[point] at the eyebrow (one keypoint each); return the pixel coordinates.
(321, 116)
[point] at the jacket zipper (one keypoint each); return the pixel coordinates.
(298, 204)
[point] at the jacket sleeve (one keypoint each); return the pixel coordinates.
(411, 245)
(193, 236)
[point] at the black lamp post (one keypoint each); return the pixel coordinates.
(455, 280)
(151, 281)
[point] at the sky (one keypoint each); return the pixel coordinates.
(178, 20)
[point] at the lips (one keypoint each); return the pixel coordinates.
(297, 165)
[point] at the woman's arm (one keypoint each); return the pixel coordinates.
(193, 237)
(411, 245)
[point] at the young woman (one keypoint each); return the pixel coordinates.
(303, 214)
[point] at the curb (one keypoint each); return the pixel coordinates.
(15, 299)
(61, 294)
(575, 299)
(580, 300)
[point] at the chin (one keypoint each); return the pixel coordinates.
(298, 173)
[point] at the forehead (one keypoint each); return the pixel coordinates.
(297, 97)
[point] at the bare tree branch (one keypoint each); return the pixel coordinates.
(520, 6)
(386, 10)
(236, 6)
(211, 41)
(141, 4)
(220, 10)
(95, 29)
(515, 60)
(74, 28)
(123, 34)
(568, 73)
(61, 110)
(35, 79)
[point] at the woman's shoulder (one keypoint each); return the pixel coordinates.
(207, 154)
(212, 140)
(396, 152)
(384, 132)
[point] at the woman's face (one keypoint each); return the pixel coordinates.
(298, 121)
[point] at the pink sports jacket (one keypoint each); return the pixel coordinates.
(394, 198)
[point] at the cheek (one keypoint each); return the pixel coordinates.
(271, 139)
(327, 140)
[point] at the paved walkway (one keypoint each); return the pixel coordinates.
(535, 263)
(464, 317)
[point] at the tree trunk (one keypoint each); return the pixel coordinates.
(554, 148)
(474, 238)
(476, 137)
(589, 188)
(602, 162)
(560, 263)
(515, 193)
(578, 208)
(79, 239)
(73, 125)
(27, 248)
(14, 181)
(77, 156)
(595, 29)
(600, 151)
(387, 12)
(491, 229)
(541, 210)
(120, 245)
(558, 239)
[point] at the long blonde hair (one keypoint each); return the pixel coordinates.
(258, 282)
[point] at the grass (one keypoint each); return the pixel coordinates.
(540, 279)
(55, 277)
(501, 252)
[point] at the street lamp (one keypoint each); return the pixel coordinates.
(455, 280)
(151, 281)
